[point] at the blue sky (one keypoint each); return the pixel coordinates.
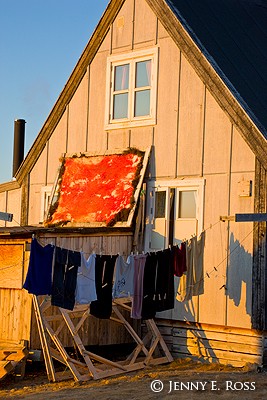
(40, 44)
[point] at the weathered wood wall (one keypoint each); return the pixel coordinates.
(213, 343)
(15, 303)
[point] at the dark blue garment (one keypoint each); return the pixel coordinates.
(104, 269)
(65, 278)
(39, 276)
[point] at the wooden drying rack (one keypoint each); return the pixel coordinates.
(91, 365)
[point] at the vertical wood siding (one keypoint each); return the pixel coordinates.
(15, 303)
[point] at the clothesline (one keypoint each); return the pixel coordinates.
(64, 273)
(187, 287)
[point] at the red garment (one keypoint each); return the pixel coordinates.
(179, 259)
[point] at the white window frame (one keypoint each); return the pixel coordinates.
(131, 58)
(197, 185)
(46, 193)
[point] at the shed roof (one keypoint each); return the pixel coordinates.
(232, 34)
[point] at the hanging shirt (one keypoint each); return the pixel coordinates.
(86, 289)
(179, 259)
(65, 278)
(39, 276)
(124, 278)
(192, 282)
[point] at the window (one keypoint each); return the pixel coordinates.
(187, 204)
(131, 88)
(175, 212)
(45, 201)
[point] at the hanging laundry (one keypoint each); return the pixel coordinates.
(124, 278)
(104, 269)
(165, 281)
(86, 288)
(65, 278)
(139, 265)
(179, 259)
(192, 282)
(149, 286)
(39, 276)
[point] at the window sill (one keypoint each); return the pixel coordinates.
(130, 124)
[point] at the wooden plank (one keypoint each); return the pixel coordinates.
(218, 336)
(157, 334)
(218, 355)
(6, 367)
(253, 217)
(6, 216)
(78, 342)
(18, 355)
(11, 260)
(213, 344)
(217, 136)
(209, 327)
(14, 344)
(104, 360)
(223, 361)
(44, 342)
(65, 357)
(144, 16)
(259, 285)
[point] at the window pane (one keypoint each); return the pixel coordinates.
(120, 106)
(121, 77)
(160, 204)
(187, 204)
(143, 74)
(142, 103)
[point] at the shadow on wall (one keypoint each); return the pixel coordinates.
(239, 271)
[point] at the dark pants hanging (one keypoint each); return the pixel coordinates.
(65, 278)
(149, 287)
(104, 269)
(165, 281)
(158, 290)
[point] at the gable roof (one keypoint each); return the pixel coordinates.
(233, 36)
(192, 24)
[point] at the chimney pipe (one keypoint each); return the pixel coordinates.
(19, 139)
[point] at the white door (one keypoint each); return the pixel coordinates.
(185, 218)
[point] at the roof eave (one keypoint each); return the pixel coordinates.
(6, 186)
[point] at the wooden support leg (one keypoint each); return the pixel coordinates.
(45, 347)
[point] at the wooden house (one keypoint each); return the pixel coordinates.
(187, 80)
